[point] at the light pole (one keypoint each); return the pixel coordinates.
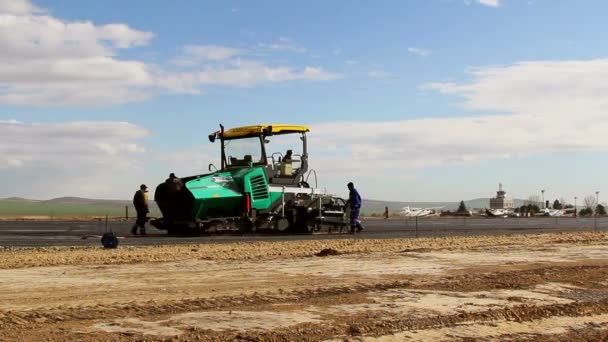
(597, 203)
(543, 193)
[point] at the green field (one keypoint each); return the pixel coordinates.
(69, 208)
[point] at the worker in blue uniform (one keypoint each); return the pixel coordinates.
(354, 200)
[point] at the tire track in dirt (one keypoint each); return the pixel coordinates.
(318, 296)
(592, 332)
(576, 275)
(353, 327)
(365, 325)
(369, 323)
(590, 276)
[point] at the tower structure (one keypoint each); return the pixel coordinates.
(501, 201)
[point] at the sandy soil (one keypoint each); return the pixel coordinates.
(533, 288)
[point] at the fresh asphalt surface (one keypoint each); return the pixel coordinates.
(73, 233)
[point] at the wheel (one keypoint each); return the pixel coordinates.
(200, 228)
(281, 224)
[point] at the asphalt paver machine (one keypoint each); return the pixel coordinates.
(257, 188)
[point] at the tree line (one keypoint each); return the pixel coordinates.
(590, 206)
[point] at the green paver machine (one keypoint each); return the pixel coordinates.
(256, 189)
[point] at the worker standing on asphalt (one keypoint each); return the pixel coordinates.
(354, 200)
(176, 183)
(140, 201)
(173, 189)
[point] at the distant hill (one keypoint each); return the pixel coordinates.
(69, 207)
(76, 200)
(87, 201)
(19, 199)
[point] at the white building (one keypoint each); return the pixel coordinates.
(501, 201)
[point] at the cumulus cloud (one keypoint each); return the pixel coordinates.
(50, 61)
(547, 89)
(242, 73)
(18, 7)
(524, 108)
(46, 159)
(46, 60)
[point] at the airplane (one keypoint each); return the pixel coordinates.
(557, 212)
(500, 213)
(420, 212)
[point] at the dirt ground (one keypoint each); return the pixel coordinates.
(499, 288)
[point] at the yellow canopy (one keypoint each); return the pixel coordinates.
(250, 131)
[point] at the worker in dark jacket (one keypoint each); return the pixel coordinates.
(354, 200)
(140, 201)
(176, 183)
(173, 188)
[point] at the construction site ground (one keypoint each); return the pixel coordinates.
(534, 287)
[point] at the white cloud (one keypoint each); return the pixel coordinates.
(18, 7)
(419, 51)
(48, 61)
(243, 74)
(56, 159)
(545, 89)
(492, 3)
(195, 54)
(545, 106)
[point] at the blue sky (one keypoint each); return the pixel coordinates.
(411, 100)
